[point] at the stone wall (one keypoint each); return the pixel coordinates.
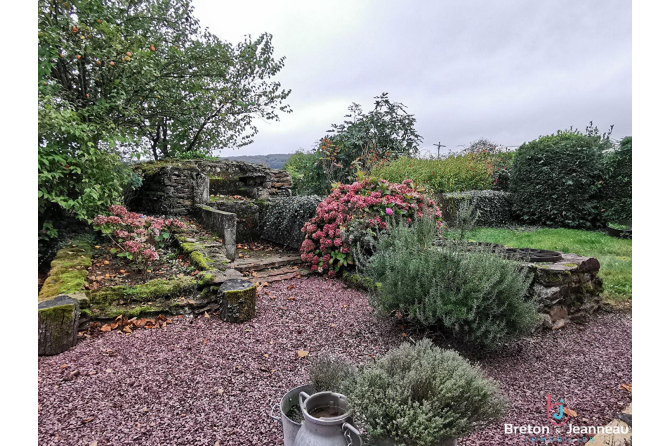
(177, 187)
(170, 189)
(568, 290)
(224, 224)
(249, 214)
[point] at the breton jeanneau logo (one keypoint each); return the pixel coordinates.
(558, 413)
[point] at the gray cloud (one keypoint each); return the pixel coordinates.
(507, 71)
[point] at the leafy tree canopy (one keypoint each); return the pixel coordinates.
(365, 139)
(146, 72)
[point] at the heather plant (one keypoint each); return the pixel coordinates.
(421, 395)
(136, 236)
(329, 373)
(368, 205)
(475, 294)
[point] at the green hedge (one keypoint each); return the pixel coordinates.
(618, 190)
(556, 180)
(494, 207)
(453, 174)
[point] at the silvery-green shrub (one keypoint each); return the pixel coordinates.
(472, 292)
(421, 394)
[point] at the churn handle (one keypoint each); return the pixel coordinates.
(272, 409)
(301, 401)
(352, 435)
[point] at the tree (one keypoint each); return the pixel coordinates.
(385, 133)
(148, 70)
(130, 77)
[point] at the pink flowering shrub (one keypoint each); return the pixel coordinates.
(136, 236)
(368, 205)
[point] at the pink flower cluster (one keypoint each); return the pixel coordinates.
(371, 201)
(135, 234)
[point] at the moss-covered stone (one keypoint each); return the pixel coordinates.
(131, 311)
(57, 321)
(360, 281)
(69, 270)
(237, 300)
(146, 292)
(200, 261)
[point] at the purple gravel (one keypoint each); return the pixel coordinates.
(169, 386)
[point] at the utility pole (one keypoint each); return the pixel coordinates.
(439, 144)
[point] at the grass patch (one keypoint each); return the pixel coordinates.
(615, 254)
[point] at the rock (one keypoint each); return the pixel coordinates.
(559, 324)
(558, 312)
(57, 324)
(237, 300)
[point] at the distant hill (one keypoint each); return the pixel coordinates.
(275, 161)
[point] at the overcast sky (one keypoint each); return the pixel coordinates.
(507, 71)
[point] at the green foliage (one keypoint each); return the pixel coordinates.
(474, 293)
(494, 208)
(307, 173)
(618, 185)
(365, 139)
(148, 71)
(452, 174)
(614, 254)
(77, 176)
(329, 373)
(557, 179)
(420, 395)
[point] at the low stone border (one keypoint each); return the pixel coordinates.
(58, 313)
(568, 290)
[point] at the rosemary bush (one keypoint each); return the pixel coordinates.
(476, 294)
(420, 395)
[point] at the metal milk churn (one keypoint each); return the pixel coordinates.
(327, 421)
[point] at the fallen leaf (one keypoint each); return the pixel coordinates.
(64, 366)
(127, 329)
(290, 287)
(88, 420)
(628, 387)
(93, 443)
(302, 353)
(570, 412)
(106, 262)
(266, 355)
(106, 328)
(206, 315)
(291, 298)
(97, 246)
(204, 341)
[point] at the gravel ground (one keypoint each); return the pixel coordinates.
(204, 382)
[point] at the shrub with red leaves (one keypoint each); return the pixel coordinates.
(136, 236)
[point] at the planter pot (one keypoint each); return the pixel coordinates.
(289, 400)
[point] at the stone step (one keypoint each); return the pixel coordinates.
(245, 265)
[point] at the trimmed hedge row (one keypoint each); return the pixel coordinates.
(285, 217)
(494, 207)
(557, 179)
